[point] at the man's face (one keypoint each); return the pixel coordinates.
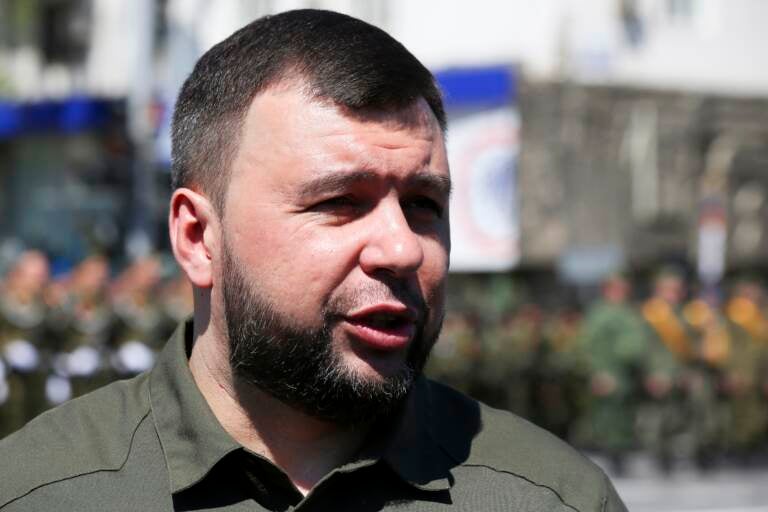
(670, 289)
(616, 290)
(335, 241)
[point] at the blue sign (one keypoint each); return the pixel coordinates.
(72, 115)
(477, 87)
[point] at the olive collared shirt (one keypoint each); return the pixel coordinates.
(152, 444)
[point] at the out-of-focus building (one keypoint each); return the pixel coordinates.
(646, 139)
(590, 135)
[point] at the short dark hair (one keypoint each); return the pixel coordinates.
(341, 59)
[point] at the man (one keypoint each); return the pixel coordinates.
(663, 424)
(23, 358)
(81, 318)
(743, 384)
(310, 215)
(614, 344)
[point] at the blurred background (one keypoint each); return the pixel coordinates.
(609, 218)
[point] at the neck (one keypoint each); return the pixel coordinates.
(305, 448)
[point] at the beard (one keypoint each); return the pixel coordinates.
(301, 366)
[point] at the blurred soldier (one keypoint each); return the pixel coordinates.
(670, 347)
(175, 303)
(22, 330)
(455, 356)
(525, 336)
(139, 318)
(559, 372)
(533, 389)
(702, 376)
(614, 343)
(745, 373)
(506, 357)
(491, 372)
(85, 320)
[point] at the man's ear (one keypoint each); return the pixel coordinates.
(193, 227)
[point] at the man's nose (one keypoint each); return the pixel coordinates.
(392, 246)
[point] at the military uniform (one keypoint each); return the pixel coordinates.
(614, 344)
(705, 410)
(24, 359)
(139, 319)
(175, 304)
(556, 376)
(745, 375)
(454, 359)
(81, 362)
(134, 344)
(662, 421)
(523, 336)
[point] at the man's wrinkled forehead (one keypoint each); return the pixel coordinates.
(269, 115)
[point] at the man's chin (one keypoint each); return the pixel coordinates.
(375, 366)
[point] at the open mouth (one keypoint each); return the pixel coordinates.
(383, 328)
(382, 321)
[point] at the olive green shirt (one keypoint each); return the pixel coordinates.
(152, 444)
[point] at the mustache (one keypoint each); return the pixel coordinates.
(376, 292)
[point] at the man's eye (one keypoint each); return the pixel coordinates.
(426, 205)
(340, 205)
(336, 202)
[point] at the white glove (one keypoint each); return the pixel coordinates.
(22, 355)
(83, 361)
(134, 357)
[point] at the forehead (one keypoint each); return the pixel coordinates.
(288, 136)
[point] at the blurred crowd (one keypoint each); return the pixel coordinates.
(681, 377)
(66, 335)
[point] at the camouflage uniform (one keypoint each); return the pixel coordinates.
(559, 373)
(22, 331)
(614, 343)
(662, 419)
(454, 359)
(745, 371)
(513, 355)
(704, 409)
(81, 361)
(139, 319)
(175, 304)
(22, 335)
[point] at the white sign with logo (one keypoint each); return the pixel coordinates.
(482, 151)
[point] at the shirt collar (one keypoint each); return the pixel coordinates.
(192, 438)
(194, 441)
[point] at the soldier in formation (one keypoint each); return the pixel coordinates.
(662, 417)
(62, 338)
(744, 385)
(703, 375)
(613, 346)
(23, 353)
(683, 380)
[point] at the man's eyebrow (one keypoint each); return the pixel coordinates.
(427, 180)
(334, 182)
(341, 181)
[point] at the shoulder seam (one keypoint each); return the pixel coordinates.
(85, 473)
(523, 478)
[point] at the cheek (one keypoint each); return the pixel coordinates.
(436, 258)
(433, 273)
(312, 268)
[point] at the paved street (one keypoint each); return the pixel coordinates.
(722, 490)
